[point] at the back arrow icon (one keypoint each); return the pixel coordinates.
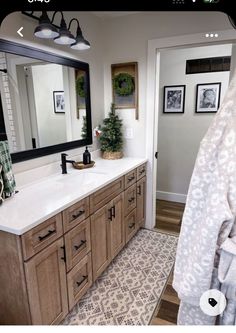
(19, 32)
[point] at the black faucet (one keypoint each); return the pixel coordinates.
(63, 162)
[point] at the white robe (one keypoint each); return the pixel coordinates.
(208, 223)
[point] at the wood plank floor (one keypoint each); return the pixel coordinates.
(168, 219)
(169, 215)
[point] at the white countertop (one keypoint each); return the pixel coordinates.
(42, 199)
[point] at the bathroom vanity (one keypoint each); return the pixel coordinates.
(59, 235)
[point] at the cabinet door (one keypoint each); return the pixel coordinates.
(100, 241)
(46, 284)
(130, 225)
(141, 201)
(117, 232)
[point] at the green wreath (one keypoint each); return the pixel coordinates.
(123, 84)
(80, 85)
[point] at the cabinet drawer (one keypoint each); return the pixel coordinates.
(141, 171)
(106, 194)
(75, 214)
(130, 225)
(130, 199)
(79, 279)
(130, 178)
(41, 236)
(77, 243)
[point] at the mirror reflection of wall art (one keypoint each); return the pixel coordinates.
(59, 101)
(80, 85)
(125, 86)
(174, 99)
(208, 97)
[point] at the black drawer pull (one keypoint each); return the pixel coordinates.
(77, 247)
(131, 225)
(81, 212)
(80, 282)
(131, 178)
(139, 190)
(64, 253)
(141, 171)
(113, 211)
(110, 214)
(131, 199)
(50, 232)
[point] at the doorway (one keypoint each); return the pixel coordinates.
(153, 101)
(184, 120)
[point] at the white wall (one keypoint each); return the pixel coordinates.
(179, 135)
(126, 41)
(51, 126)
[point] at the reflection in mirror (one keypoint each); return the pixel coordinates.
(43, 104)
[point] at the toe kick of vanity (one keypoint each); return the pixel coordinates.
(46, 270)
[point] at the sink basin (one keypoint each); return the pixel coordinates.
(80, 179)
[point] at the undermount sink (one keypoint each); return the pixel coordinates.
(80, 179)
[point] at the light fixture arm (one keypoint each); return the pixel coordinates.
(54, 14)
(79, 31)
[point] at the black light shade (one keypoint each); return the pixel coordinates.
(80, 43)
(45, 29)
(65, 36)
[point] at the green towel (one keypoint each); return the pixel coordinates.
(6, 174)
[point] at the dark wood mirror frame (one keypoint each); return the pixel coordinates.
(27, 51)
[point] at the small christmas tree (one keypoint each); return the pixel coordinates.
(111, 135)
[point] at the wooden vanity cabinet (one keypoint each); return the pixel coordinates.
(141, 201)
(107, 234)
(46, 285)
(47, 270)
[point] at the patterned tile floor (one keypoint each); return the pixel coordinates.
(129, 290)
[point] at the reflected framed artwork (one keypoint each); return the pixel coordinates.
(208, 97)
(80, 84)
(59, 101)
(174, 99)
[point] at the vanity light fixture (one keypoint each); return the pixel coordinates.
(65, 36)
(80, 42)
(60, 34)
(45, 29)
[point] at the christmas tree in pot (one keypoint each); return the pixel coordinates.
(111, 136)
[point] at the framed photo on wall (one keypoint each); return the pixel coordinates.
(174, 99)
(208, 97)
(59, 101)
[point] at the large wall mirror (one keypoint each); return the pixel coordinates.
(44, 102)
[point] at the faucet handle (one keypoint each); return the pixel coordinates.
(64, 154)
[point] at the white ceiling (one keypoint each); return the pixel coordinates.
(113, 14)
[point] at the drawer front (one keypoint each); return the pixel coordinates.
(141, 171)
(106, 194)
(130, 199)
(130, 225)
(79, 280)
(41, 236)
(77, 243)
(75, 214)
(130, 178)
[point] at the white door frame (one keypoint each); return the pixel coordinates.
(152, 101)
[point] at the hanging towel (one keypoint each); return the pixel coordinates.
(6, 174)
(210, 207)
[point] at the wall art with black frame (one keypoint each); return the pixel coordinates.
(174, 99)
(208, 97)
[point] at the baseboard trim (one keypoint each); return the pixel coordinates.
(168, 196)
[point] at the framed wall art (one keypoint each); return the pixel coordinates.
(174, 99)
(208, 97)
(125, 86)
(80, 83)
(59, 101)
